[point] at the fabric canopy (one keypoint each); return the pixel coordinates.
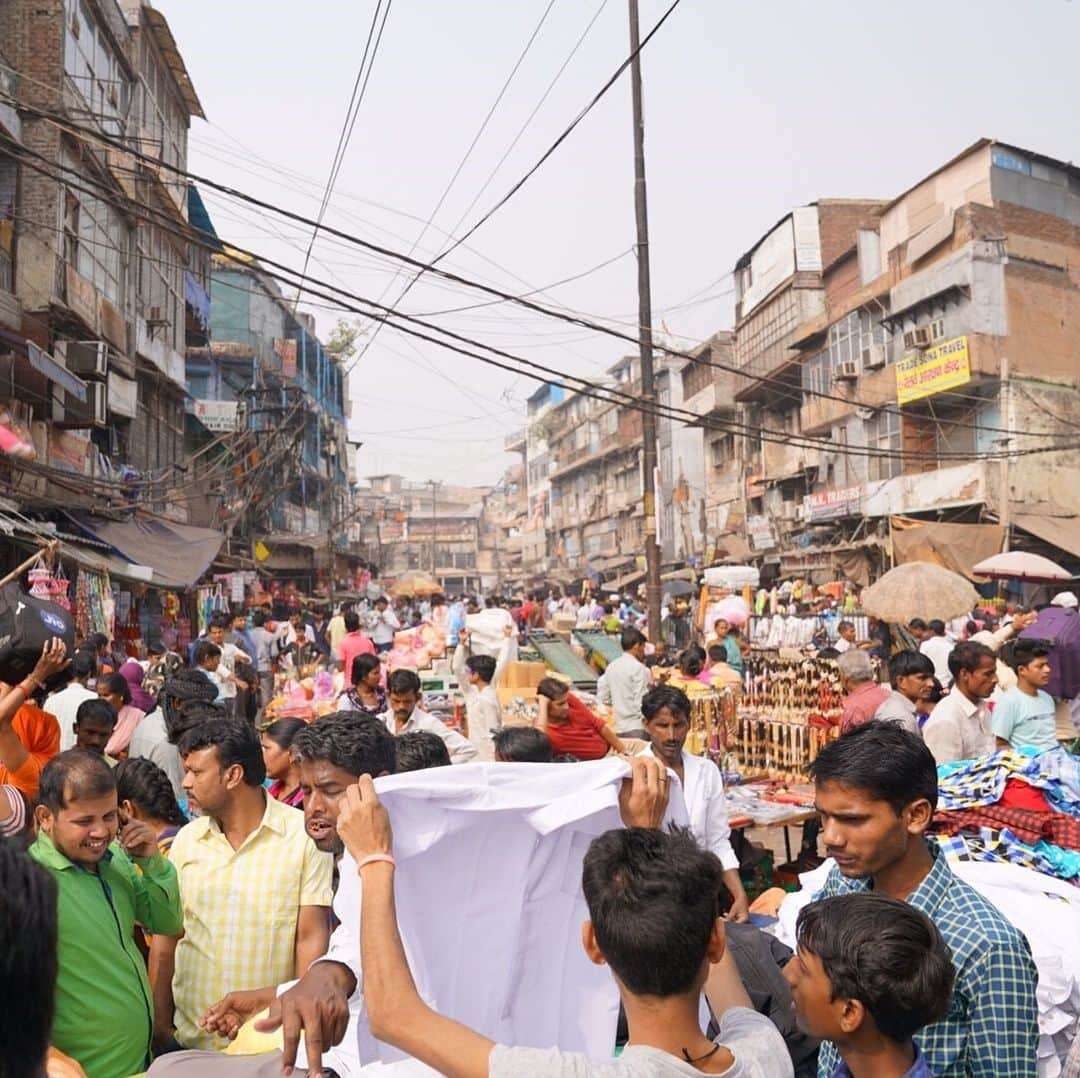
(958, 547)
(1062, 532)
(178, 553)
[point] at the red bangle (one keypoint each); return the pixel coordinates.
(27, 692)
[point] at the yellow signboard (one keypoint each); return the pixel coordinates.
(942, 367)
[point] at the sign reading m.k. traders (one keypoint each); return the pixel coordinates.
(942, 367)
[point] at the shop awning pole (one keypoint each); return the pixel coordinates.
(49, 548)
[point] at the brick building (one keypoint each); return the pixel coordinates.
(94, 248)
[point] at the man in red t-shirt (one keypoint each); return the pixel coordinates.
(571, 726)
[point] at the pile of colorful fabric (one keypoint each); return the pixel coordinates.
(1013, 808)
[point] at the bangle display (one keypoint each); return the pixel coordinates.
(375, 858)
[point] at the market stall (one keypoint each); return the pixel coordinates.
(787, 712)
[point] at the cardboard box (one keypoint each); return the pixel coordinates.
(523, 676)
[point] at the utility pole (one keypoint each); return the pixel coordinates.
(645, 339)
(1005, 407)
(434, 515)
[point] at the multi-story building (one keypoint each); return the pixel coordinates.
(434, 527)
(264, 379)
(93, 256)
(890, 351)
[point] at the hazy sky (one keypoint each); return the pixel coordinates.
(751, 108)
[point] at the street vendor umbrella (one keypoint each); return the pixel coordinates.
(409, 585)
(1019, 565)
(677, 588)
(919, 589)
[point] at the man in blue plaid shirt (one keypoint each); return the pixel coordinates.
(876, 789)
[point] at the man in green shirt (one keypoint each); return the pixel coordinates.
(104, 1015)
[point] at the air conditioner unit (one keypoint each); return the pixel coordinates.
(92, 413)
(917, 338)
(846, 371)
(937, 329)
(874, 357)
(88, 359)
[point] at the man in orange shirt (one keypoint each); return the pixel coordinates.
(29, 737)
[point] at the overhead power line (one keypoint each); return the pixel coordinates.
(524, 302)
(583, 386)
(453, 179)
(363, 74)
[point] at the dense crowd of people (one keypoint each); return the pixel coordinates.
(177, 869)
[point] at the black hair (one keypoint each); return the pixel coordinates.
(631, 638)
(362, 665)
(653, 897)
(552, 688)
(236, 743)
(80, 773)
(143, 783)
(1021, 652)
(205, 649)
(220, 620)
(97, 641)
(918, 624)
(420, 749)
(967, 657)
(352, 621)
(28, 959)
(718, 653)
(258, 619)
(888, 762)
(403, 681)
(884, 953)
(283, 732)
(523, 745)
(116, 683)
(844, 625)
(565, 758)
(692, 661)
(83, 665)
(99, 709)
(937, 627)
(358, 744)
(661, 696)
(971, 628)
(187, 701)
(483, 666)
(908, 662)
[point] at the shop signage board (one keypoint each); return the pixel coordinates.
(833, 504)
(216, 416)
(922, 374)
(759, 530)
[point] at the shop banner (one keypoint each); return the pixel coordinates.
(923, 374)
(833, 504)
(216, 416)
(759, 530)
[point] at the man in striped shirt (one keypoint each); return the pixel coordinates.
(255, 890)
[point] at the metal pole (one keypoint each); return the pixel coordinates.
(645, 341)
(1005, 406)
(434, 513)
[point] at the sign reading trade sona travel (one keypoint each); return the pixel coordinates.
(942, 367)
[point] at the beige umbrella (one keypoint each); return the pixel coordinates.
(411, 584)
(919, 589)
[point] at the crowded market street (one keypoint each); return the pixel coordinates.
(482, 598)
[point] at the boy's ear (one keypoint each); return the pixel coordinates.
(851, 1014)
(717, 944)
(592, 948)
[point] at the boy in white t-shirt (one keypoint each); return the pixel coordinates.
(653, 899)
